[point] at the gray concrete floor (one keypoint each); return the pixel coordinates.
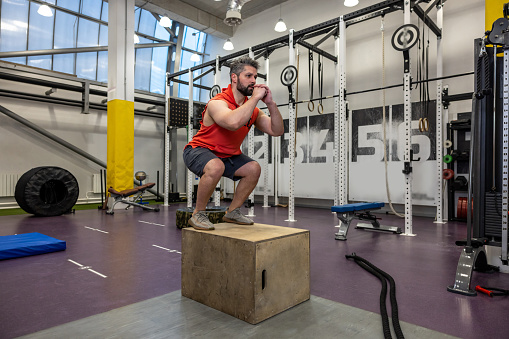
(174, 316)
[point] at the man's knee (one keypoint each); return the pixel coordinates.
(214, 168)
(253, 170)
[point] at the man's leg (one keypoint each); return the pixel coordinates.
(250, 173)
(212, 173)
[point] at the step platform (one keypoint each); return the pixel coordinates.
(250, 272)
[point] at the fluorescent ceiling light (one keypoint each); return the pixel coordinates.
(165, 21)
(228, 45)
(44, 10)
(280, 26)
(351, 3)
(195, 57)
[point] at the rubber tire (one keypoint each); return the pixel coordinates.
(47, 191)
(184, 214)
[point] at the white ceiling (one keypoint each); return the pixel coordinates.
(205, 15)
(218, 8)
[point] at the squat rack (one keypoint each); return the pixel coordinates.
(336, 27)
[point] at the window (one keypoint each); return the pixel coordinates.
(23, 29)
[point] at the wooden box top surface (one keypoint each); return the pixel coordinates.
(253, 233)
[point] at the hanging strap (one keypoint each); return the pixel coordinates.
(320, 83)
(311, 105)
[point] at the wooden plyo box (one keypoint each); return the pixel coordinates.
(250, 272)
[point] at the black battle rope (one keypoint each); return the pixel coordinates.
(392, 294)
(311, 105)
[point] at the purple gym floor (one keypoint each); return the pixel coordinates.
(140, 257)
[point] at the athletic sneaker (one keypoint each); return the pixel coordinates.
(200, 221)
(237, 217)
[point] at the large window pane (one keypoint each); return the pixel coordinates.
(65, 28)
(64, 63)
(162, 33)
(147, 23)
(103, 35)
(13, 25)
(41, 61)
(40, 30)
(88, 33)
(158, 73)
(91, 8)
(40, 36)
(73, 5)
(102, 67)
(142, 67)
(86, 65)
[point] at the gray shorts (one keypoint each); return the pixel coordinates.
(196, 159)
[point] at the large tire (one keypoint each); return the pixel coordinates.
(184, 214)
(47, 191)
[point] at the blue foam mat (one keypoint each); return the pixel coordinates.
(357, 207)
(22, 245)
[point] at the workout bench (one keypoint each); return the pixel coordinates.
(123, 197)
(361, 211)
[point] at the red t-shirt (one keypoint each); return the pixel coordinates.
(222, 142)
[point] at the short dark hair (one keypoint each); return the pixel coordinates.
(237, 65)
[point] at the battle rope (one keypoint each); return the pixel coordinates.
(383, 294)
(384, 125)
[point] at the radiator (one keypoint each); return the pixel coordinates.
(96, 183)
(8, 184)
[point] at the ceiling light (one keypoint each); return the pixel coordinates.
(280, 25)
(165, 21)
(136, 39)
(44, 10)
(195, 57)
(351, 3)
(228, 45)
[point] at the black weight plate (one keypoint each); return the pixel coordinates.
(215, 90)
(289, 75)
(405, 37)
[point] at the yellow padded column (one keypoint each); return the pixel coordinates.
(493, 9)
(120, 165)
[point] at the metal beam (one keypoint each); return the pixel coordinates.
(427, 20)
(75, 50)
(317, 50)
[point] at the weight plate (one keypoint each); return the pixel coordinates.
(289, 75)
(215, 90)
(405, 37)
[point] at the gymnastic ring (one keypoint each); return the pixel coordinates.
(423, 125)
(448, 159)
(447, 143)
(320, 108)
(312, 106)
(448, 173)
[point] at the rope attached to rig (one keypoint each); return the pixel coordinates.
(387, 189)
(383, 295)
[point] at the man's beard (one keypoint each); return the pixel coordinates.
(246, 91)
